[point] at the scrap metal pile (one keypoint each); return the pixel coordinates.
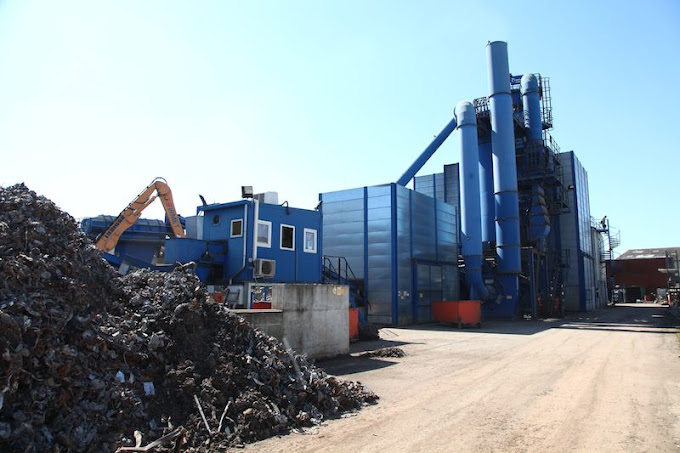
(90, 361)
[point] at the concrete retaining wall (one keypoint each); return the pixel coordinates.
(266, 320)
(315, 317)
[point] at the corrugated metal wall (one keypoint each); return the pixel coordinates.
(443, 187)
(379, 252)
(402, 242)
(580, 286)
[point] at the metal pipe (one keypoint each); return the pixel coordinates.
(256, 218)
(532, 108)
(505, 176)
(427, 153)
(488, 205)
(540, 222)
(470, 210)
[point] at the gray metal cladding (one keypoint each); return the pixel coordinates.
(423, 221)
(450, 282)
(379, 214)
(576, 237)
(343, 227)
(447, 228)
(400, 227)
(404, 265)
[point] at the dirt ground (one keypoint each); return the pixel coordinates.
(603, 381)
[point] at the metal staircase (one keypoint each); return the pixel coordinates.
(611, 238)
(336, 269)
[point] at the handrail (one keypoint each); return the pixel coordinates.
(342, 265)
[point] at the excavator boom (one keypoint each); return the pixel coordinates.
(158, 188)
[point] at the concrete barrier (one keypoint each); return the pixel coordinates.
(315, 319)
(266, 320)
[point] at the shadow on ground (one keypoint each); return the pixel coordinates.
(638, 318)
(352, 363)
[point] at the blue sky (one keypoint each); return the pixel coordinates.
(97, 98)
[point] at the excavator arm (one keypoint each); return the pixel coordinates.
(158, 188)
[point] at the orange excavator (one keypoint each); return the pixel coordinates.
(108, 239)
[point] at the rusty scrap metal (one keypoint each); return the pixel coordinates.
(87, 357)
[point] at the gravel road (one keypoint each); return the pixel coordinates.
(604, 381)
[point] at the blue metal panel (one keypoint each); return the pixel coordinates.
(575, 236)
(452, 183)
(399, 225)
(394, 252)
(579, 256)
(584, 242)
(366, 281)
(447, 226)
(292, 265)
(424, 241)
(344, 227)
(425, 185)
(403, 255)
(568, 236)
(414, 275)
(379, 226)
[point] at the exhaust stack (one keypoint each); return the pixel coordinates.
(505, 179)
(470, 210)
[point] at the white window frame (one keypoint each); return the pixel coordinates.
(283, 225)
(316, 240)
(267, 244)
(231, 228)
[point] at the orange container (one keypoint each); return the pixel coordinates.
(259, 305)
(353, 323)
(217, 297)
(461, 312)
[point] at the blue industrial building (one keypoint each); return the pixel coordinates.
(509, 225)
(288, 243)
(401, 244)
(585, 287)
(524, 244)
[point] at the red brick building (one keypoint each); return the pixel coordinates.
(642, 274)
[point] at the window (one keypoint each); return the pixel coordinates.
(310, 241)
(216, 220)
(237, 228)
(264, 233)
(287, 237)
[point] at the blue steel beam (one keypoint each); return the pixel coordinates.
(427, 153)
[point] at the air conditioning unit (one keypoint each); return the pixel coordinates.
(267, 197)
(264, 268)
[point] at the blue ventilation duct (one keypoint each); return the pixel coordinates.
(488, 205)
(427, 153)
(532, 108)
(505, 179)
(470, 211)
(539, 221)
